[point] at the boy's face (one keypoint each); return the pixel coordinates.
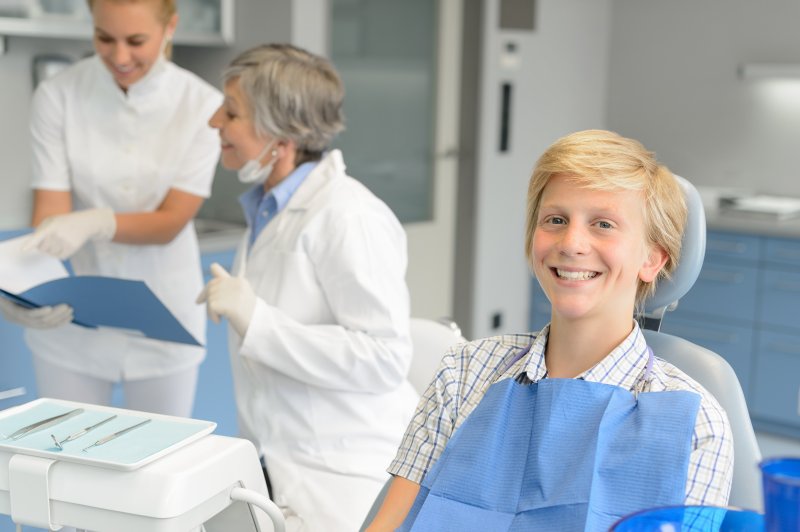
(590, 251)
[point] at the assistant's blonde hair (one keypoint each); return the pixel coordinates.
(603, 160)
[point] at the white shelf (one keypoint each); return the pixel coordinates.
(192, 31)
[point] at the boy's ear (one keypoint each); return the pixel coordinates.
(656, 259)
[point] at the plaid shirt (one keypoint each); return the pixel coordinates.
(467, 371)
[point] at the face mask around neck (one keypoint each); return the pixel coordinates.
(252, 170)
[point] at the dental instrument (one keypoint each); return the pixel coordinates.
(117, 434)
(43, 424)
(76, 435)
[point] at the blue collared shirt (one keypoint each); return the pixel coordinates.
(260, 207)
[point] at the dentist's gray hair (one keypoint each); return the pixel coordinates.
(293, 95)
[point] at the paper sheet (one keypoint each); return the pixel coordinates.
(21, 270)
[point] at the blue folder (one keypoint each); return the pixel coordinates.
(108, 302)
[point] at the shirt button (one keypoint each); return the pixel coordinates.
(264, 213)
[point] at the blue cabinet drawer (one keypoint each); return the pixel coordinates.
(732, 246)
(780, 299)
(776, 380)
(783, 252)
(735, 344)
(723, 291)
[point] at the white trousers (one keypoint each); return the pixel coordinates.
(171, 394)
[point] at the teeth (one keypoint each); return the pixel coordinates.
(575, 276)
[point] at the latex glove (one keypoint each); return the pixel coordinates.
(36, 318)
(229, 297)
(63, 235)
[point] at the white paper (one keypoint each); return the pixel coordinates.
(21, 270)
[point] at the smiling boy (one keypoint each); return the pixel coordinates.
(579, 424)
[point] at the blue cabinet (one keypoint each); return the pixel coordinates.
(215, 400)
(745, 306)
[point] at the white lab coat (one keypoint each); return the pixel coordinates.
(320, 374)
(126, 151)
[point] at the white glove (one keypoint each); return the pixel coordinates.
(229, 297)
(36, 318)
(63, 235)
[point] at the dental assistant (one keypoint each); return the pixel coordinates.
(317, 303)
(122, 161)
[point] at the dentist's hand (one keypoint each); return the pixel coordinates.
(36, 318)
(63, 235)
(229, 297)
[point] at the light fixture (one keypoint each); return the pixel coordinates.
(769, 70)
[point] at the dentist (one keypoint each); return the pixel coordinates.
(317, 303)
(122, 161)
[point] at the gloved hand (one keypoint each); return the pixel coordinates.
(36, 318)
(230, 297)
(63, 235)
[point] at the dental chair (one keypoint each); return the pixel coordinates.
(430, 339)
(706, 367)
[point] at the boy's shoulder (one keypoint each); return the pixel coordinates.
(494, 353)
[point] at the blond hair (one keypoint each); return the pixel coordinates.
(604, 160)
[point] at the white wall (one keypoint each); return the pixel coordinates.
(674, 86)
(559, 87)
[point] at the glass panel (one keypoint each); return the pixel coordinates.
(385, 51)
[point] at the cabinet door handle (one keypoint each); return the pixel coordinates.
(786, 286)
(782, 347)
(728, 247)
(12, 392)
(787, 253)
(722, 277)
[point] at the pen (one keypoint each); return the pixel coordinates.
(76, 435)
(43, 424)
(115, 435)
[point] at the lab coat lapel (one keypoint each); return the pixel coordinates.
(329, 168)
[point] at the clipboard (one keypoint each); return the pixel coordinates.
(33, 279)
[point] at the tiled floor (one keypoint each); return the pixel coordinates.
(773, 446)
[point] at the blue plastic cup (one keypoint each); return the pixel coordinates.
(781, 477)
(691, 519)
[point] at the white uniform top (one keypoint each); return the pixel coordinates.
(320, 374)
(125, 151)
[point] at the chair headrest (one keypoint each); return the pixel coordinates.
(692, 252)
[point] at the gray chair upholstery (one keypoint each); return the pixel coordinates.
(430, 339)
(706, 367)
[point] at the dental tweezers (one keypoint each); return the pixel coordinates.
(76, 435)
(117, 434)
(43, 424)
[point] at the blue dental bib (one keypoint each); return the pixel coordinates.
(559, 454)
